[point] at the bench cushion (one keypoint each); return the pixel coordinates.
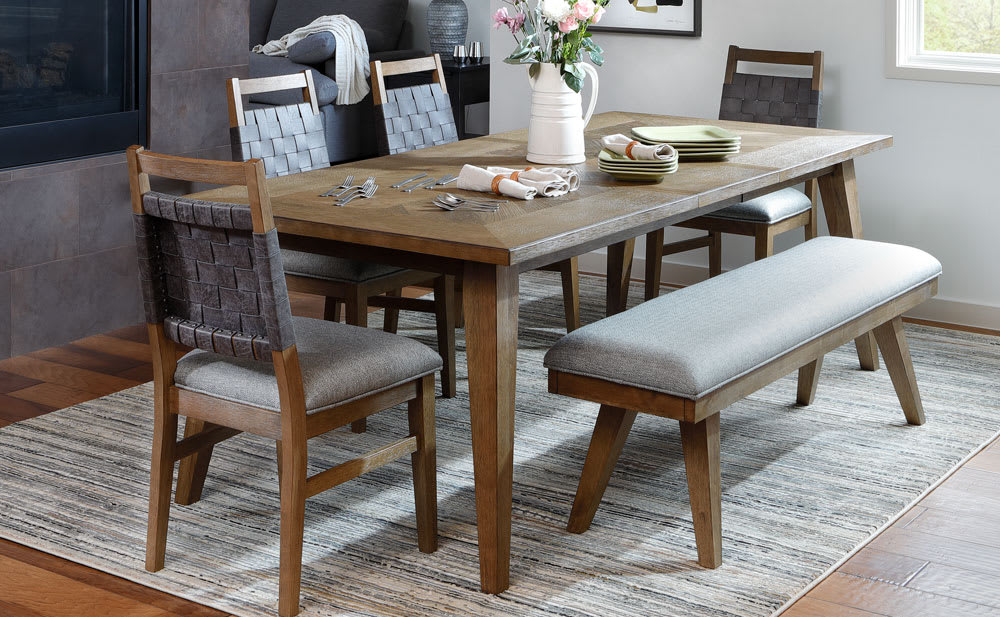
(339, 363)
(771, 208)
(694, 340)
(333, 268)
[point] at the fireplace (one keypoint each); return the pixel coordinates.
(72, 78)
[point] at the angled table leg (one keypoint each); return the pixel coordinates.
(491, 296)
(843, 217)
(619, 273)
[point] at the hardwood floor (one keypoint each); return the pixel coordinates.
(941, 559)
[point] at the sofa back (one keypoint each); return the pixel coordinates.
(382, 20)
(260, 20)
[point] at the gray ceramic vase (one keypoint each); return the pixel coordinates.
(447, 25)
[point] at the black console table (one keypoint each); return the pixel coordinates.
(468, 84)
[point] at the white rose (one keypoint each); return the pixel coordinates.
(556, 10)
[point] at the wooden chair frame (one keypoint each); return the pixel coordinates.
(699, 418)
(763, 233)
(384, 291)
(210, 420)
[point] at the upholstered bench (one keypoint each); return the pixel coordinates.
(693, 352)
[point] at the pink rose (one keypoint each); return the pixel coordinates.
(568, 25)
(584, 10)
(500, 18)
(599, 14)
(516, 22)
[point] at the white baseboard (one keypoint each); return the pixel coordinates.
(935, 309)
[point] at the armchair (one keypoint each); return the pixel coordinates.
(348, 127)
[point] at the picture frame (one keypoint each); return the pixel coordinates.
(672, 17)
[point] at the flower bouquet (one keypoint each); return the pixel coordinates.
(555, 32)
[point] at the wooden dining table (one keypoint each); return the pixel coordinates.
(489, 250)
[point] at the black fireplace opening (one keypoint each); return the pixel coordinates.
(72, 78)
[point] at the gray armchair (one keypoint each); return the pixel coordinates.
(349, 128)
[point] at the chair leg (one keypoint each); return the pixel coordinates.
(357, 315)
(331, 309)
(808, 380)
(424, 463)
(700, 441)
(293, 511)
(610, 432)
(896, 353)
(161, 477)
(459, 307)
(390, 323)
(763, 242)
(654, 263)
(193, 469)
(444, 299)
(570, 272)
(715, 253)
(277, 450)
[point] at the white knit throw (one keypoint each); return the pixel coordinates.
(351, 59)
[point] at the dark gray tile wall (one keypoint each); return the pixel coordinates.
(67, 258)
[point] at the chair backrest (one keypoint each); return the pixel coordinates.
(288, 138)
(413, 117)
(210, 272)
(773, 100)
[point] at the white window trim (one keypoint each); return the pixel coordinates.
(906, 59)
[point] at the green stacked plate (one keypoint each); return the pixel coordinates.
(699, 141)
(623, 168)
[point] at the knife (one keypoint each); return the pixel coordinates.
(405, 182)
(416, 186)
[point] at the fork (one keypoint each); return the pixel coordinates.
(470, 208)
(347, 184)
(355, 189)
(366, 194)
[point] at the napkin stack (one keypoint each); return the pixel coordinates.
(630, 148)
(519, 183)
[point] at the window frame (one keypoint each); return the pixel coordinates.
(905, 58)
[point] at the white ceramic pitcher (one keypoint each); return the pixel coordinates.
(555, 131)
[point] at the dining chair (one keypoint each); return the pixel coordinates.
(212, 279)
(420, 116)
(750, 97)
(290, 139)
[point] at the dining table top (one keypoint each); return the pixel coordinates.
(522, 232)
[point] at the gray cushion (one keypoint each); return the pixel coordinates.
(333, 268)
(382, 20)
(340, 363)
(260, 20)
(691, 341)
(269, 66)
(314, 49)
(770, 208)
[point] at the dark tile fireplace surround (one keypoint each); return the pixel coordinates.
(67, 257)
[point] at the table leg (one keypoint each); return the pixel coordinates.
(491, 297)
(843, 216)
(619, 273)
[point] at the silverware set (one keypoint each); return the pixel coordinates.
(447, 201)
(429, 183)
(366, 191)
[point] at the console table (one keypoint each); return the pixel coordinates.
(468, 84)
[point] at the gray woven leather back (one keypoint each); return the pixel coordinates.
(771, 100)
(211, 281)
(416, 117)
(288, 138)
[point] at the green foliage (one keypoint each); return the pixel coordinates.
(967, 26)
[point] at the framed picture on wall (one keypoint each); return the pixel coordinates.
(670, 17)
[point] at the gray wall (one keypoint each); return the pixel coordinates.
(934, 189)
(67, 258)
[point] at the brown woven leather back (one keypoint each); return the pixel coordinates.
(288, 138)
(211, 281)
(415, 117)
(771, 100)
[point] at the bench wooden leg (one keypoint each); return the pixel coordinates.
(444, 298)
(714, 253)
(193, 469)
(700, 441)
(570, 272)
(654, 263)
(331, 309)
(896, 352)
(610, 433)
(390, 321)
(808, 380)
(357, 315)
(763, 242)
(867, 351)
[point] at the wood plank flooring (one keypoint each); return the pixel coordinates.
(940, 560)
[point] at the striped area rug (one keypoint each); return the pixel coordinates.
(801, 488)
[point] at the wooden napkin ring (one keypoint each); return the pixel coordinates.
(496, 183)
(628, 149)
(517, 174)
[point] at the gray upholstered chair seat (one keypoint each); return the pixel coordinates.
(339, 363)
(333, 268)
(771, 208)
(696, 339)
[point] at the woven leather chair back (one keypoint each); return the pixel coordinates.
(210, 280)
(794, 101)
(413, 117)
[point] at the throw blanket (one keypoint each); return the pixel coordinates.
(351, 59)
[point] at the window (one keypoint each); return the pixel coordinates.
(944, 40)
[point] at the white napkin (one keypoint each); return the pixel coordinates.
(640, 152)
(473, 178)
(547, 181)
